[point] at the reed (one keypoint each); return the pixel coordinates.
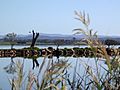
(99, 81)
(16, 81)
(50, 77)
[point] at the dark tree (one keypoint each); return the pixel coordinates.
(10, 37)
(58, 42)
(34, 38)
(109, 42)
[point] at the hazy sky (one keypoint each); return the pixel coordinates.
(57, 16)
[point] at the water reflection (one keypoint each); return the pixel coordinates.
(10, 68)
(35, 63)
(48, 71)
(51, 70)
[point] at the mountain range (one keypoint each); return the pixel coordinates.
(51, 36)
(60, 36)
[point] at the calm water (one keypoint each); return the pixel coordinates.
(28, 64)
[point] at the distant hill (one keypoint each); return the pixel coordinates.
(50, 36)
(61, 36)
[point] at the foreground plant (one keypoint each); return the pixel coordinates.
(99, 81)
(16, 82)
(53, 76)
(50, 77)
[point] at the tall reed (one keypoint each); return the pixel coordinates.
(109, 80)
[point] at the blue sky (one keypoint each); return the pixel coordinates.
(57, 16)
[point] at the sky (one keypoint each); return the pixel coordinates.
(57, 16)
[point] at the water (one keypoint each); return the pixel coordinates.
(28, 64)
(40, 46)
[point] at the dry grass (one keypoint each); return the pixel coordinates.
(99, 81)
(47, 78)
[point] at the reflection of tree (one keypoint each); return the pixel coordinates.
(35, 63)
(57, 52)
(11, 68)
